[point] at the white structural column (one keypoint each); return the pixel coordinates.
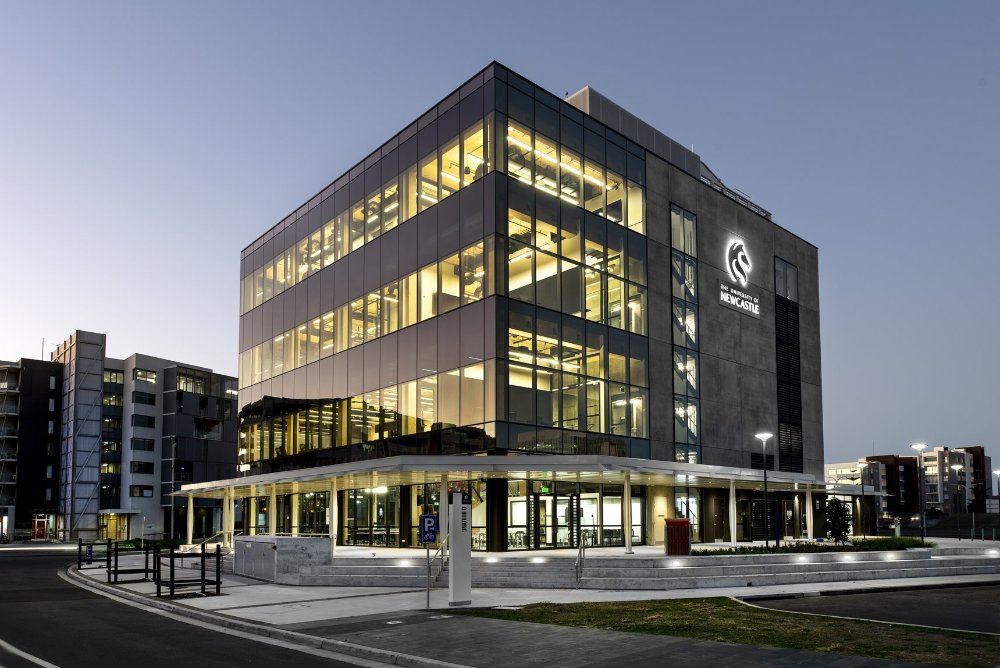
(272, 511)
(295, 514)
(627, 512)
(190, 520)
(809, 512)
(443, 510)
(251, 528)
(231, 528)
(227, 512)
(334, 511)
(732, 512)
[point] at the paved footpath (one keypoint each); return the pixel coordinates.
(393, 625)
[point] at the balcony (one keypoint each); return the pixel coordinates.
(8, 409)
(8, 454)
(9, 387)
(8, 433)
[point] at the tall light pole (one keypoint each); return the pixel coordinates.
(996, 494)
(957, 468)
(919, 447)
(764, 436)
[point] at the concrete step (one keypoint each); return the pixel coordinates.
(782, 578)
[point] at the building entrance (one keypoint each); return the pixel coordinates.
(554, 520)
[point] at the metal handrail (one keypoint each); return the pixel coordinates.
(443, 553)
(581, 555)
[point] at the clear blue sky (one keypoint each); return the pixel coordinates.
(143, 145)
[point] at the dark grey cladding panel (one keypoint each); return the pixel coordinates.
(590, 101)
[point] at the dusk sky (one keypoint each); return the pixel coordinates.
(143, 145)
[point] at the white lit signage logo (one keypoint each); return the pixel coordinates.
(738, 263)
(737, 297)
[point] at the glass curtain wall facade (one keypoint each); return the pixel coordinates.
(479, 285)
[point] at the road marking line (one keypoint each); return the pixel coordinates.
(24, 655)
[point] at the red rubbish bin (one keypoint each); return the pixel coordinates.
(677, 537)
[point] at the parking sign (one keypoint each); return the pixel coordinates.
(428, 528)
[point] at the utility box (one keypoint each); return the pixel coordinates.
(677, 534)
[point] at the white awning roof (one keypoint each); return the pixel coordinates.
(430, 469)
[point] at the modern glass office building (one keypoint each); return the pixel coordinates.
(546, 303)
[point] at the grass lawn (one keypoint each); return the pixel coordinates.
(725, 620)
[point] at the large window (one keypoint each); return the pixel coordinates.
(394, 198)
(440, 287)
(684, 288)
(786, 279)
(144, 375)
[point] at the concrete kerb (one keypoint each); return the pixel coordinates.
(219, 619)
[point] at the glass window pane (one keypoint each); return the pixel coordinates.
(372, 317)
(616, 198)
(571, 228)
(571, 288)
(408, 411)
(680, 420)
(301, 346)
(520, 334)
(690, 234)
(410, 302)
(428, 181)
(373, 215)
(546, 165)
(690, 326)
(473, 273)
(676, 228)
(357, 225)
(520, 394)
(638, 360)
(428, 404)
(473, 153)
(546, 398)
(637, 259)
(451, 284)
(596, 351)
(519, 152)
(597, 391)
(593, 188)
(329, 243)
(619, 409)
(573, 396)
(792, 279)
(678, 323)
(449, 403)
(357, 335)
(636, 208)
(636, 309)
(779, 277)
(341, 233)
(593, 294)
(570, 173)
(691, 374)
(290, 352)
(268, 281)
(390, 308)
(690, 280)
(390, 205)
(410, 194)
(428, 292)
(616, 296)
(451, 167)
(638, 417)
(326, 342)
(616, 251)
(278, 355)
(473, 388)
(547, 280)
(618, 357)
(520, 261)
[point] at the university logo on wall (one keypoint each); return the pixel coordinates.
(739, 263)
(736, 296)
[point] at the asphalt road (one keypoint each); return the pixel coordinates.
(62, 624)
(964, 608)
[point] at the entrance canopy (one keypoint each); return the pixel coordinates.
(430, 469)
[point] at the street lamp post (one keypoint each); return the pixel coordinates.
(957, 468)
(861, 514)
(919, 447)
(764, 436)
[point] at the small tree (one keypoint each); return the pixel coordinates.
(838, 520)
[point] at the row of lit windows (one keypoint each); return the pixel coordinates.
(547, 225)
(460, 279)
(437, 175)
(462, 396)
(545, 339)
(555, 169)
(684, 288)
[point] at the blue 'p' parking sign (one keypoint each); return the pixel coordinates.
(428, 528)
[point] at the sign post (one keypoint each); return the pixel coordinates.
(428, 534)
(460, 540)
